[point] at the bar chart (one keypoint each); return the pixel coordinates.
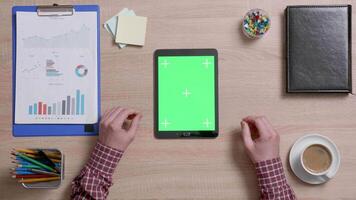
(50, 69)
(69, 105)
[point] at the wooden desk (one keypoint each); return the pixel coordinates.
(251, 82)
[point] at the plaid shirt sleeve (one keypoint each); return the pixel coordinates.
(272, 181)
(95, 178)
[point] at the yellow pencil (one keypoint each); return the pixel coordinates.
(33, 180)
(32, 153)
(55, 160)
(26, 151)
(53, 155)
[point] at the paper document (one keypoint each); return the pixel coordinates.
(132, 30)
(111, 24)
(56, 69)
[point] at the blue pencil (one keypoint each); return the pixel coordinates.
(23, 172)
(21, 169)
(21, 159)
(23, 162)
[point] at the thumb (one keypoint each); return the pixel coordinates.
(246, 135)
(135, 123)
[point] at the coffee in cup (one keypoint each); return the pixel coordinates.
(316, 159)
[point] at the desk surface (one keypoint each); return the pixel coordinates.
(251, 81)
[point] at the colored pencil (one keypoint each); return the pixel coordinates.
(20, 162)
(27, 169)
(30, 155)
(48, 153)
(19, 159)
(28, 163)
(55, 160)
(26, 151)
(30, 166)
(33, 180)
(35, 162)
(31, 176)
(53, 155)
(18, 169)
(34, 156)
(44, 172)
(23, 172)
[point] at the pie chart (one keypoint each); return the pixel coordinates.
(81, 71)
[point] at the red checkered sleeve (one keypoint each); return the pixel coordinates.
(95, 178)
(272, 181)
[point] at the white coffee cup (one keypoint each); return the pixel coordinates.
(316, 172)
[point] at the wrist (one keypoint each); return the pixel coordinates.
(269, 171)
(104, 159)
(263, 159)
(267, 161)
(112, 143)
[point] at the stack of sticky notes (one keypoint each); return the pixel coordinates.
(36, 165)
(126, 28)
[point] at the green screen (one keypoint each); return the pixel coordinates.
(186, 93)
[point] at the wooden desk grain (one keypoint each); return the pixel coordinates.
(251, 82)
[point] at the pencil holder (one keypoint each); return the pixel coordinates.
(39, 168)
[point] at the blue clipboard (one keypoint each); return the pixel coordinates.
(28, 130)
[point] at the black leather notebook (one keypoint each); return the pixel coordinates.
(319, 48)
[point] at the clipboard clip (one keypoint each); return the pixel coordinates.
(55, 10)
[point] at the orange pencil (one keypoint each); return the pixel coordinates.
(31, 176)
(34, 180)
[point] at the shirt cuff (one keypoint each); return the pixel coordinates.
(104, 159)
(270, 173)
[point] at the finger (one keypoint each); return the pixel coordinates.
(269, 126)
(250, 119)
(135, 124)
(120, 119)
(259, 123)
(114, 114)
(107, 113)
(255, 121)
(103, 120)
(246, 135)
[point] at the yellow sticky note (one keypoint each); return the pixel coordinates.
(132, 30)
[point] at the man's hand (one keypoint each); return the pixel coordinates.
(260, 139)
(118, 127)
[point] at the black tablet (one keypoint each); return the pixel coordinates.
(186, 93)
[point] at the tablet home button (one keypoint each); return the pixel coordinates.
(186, 134)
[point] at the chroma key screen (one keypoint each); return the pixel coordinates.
(186, 93)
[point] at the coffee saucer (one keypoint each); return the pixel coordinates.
(297, 149)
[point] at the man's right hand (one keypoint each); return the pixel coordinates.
(266, 144)
(118, 127)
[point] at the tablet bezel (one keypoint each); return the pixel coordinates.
(184, 133)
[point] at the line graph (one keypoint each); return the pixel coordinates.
(71, 39)
(31, 69)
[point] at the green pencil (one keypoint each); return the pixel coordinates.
(44, 172)
(35, 162)
(30, 166)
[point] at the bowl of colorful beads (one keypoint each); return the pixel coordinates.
(256, 23)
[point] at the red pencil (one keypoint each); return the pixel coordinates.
(31, 176)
